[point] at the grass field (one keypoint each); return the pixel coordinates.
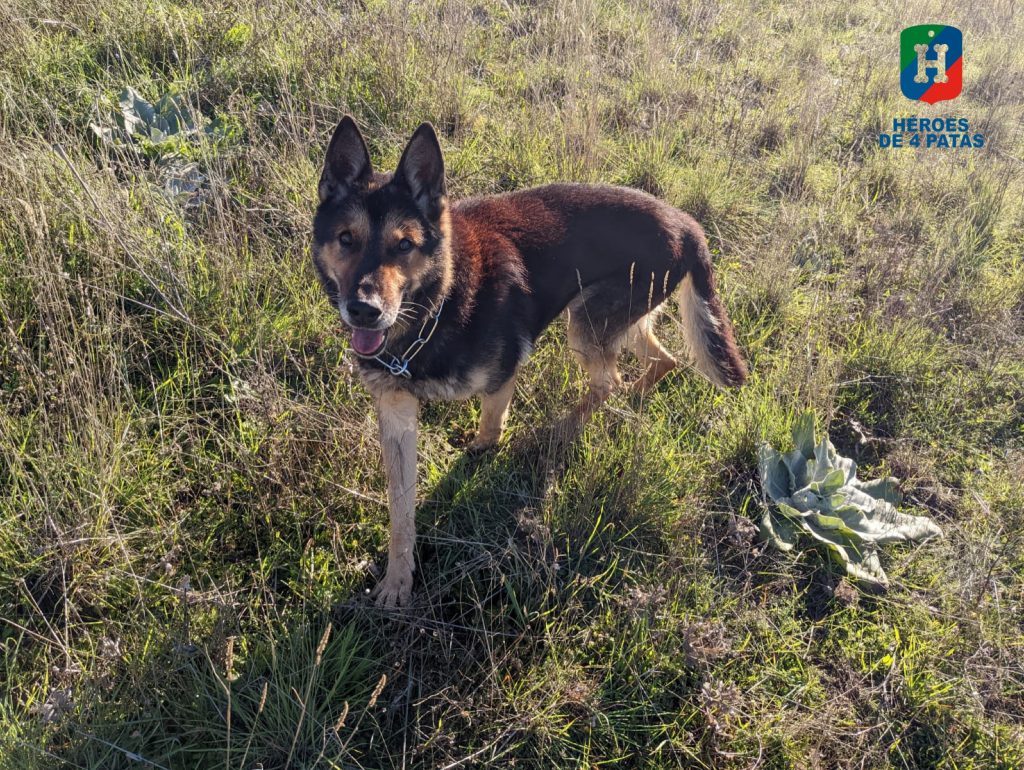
(191, 494)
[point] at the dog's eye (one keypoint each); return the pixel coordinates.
(405, 245)
(345, 238)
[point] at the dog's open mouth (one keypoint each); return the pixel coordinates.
(368, 342)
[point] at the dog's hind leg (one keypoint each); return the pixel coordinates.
(493, 413)
(596, 345)
(655, 360)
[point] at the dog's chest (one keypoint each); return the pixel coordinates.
(459, 373)
(457, 386)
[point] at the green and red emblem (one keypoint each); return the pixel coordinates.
(931, 62)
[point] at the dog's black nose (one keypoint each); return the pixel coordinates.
(363, 313)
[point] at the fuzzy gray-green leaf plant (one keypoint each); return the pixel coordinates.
(816, 493)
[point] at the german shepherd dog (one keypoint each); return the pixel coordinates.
(446, 300)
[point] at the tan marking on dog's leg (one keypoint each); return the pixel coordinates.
(396, 418)
(599, 358)
(656, 361)
(493, 413)
(604, 380)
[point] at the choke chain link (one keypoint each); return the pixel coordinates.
(399, 366)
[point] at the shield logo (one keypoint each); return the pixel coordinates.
(931, 62)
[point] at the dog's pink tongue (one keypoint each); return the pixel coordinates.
(366, 341)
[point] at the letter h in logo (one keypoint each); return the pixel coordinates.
(947, 44)
(938, 63)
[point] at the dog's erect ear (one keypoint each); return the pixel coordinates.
(347, 164)
(421, 169)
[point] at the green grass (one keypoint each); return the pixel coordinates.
(190, 488)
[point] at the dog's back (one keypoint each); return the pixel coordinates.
(611, 255)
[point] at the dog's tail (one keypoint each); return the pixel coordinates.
(706, 325)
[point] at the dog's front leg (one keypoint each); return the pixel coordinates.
(396, 418)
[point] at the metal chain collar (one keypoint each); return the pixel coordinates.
(399, 367)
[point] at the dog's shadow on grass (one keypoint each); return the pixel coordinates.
(486, 573)
(490, 498)
(495, 575)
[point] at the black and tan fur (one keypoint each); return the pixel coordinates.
(390, 247)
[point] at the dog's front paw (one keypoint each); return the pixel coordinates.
(394, 589)
(482, 443)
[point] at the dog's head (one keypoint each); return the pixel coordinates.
(381, 241)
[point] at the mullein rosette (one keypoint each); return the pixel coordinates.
(816, 493)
